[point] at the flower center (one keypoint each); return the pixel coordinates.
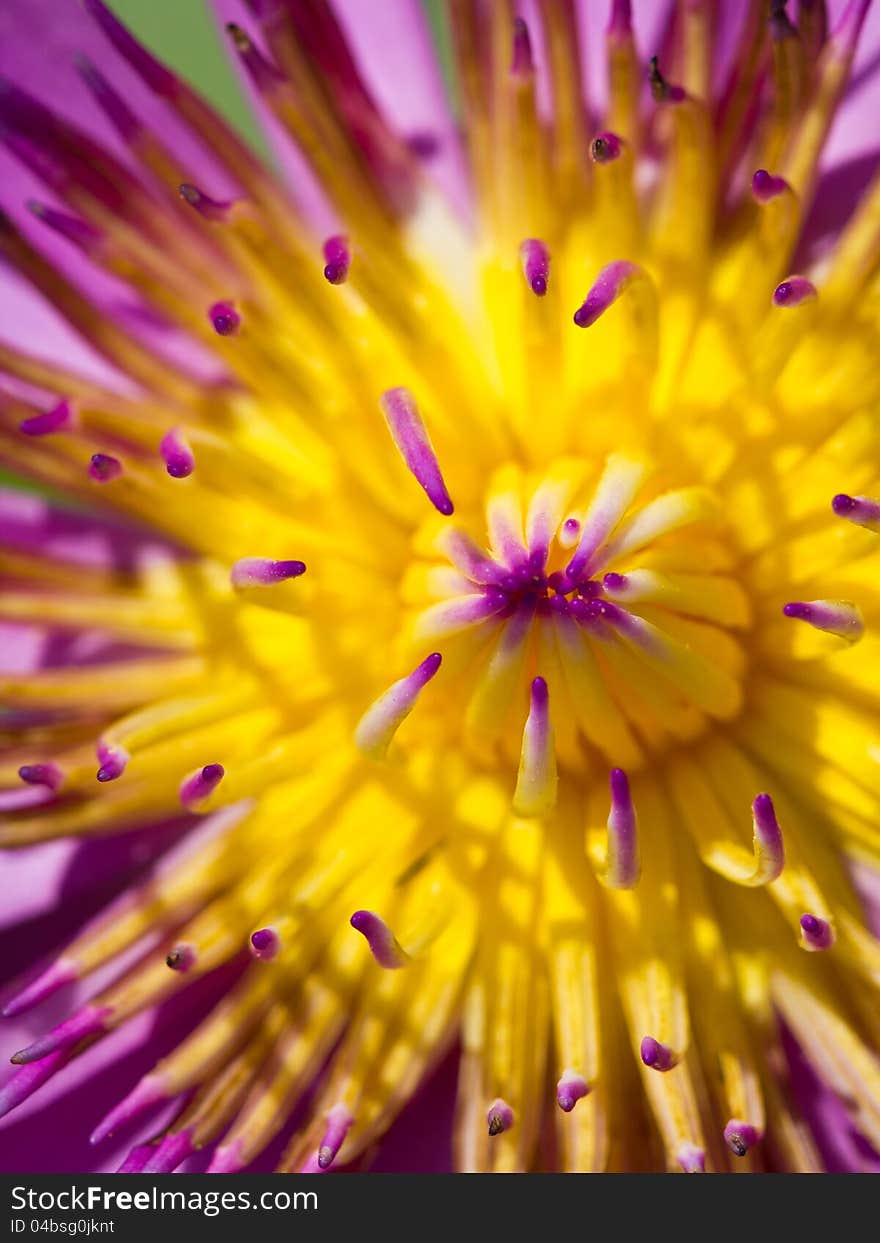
(615, 590)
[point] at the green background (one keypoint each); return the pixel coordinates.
(187, 35)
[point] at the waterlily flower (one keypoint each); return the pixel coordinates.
(440, 653)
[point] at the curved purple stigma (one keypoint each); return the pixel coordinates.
(61, 972)
(112, 759)
(535, 258)
(181, 957)
(624, 866)
(104, 468)
(411, 438)
(741, 1136)
(225, 318)
(571, 1088)
(201, 785)
(88, 1021)
(861, 510)
(691, 1159)
(150, 1091)
(339, 1122)
(607, 288)
(817, 933)
(154, 74)
(794, 291)
(49, 775)
(605, 148)
(109, 100)
(662, 91)
(58, 419)
(82, 234)
(499, 1116)
(837, 617)
(656, 1055)
(523, 62)
(337, 259)
(766, 187)
(208, 208)
(265, 944)
(263, 572)
(384, 946)
(176, 454)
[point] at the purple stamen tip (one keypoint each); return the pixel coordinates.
(535, 258)
(182, 957)
(863, 511)
(62, 971)
(49, 775)
(112, 760)
(77, 231)
(540, 694)
(817, 932)
(263, 572)
(766, 187)
(411, 438)
(499, 1116)
(262, 72)
(614, 582)
(109, 100)
(837, 617)
(198, 787)
(656, 1055)
(339, 1122)
(605, 148)
(225, 318)
(740, 1136)
(58, 419)
(88, 1021)
(337, 255)
(265, 944)
(103, 468)
(384, 946)
(177, 455)
(571, 1088)
(793, 291)
(522, 65)
(607, 288)
(208, 208)
(662, 91)
(150, 1091)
